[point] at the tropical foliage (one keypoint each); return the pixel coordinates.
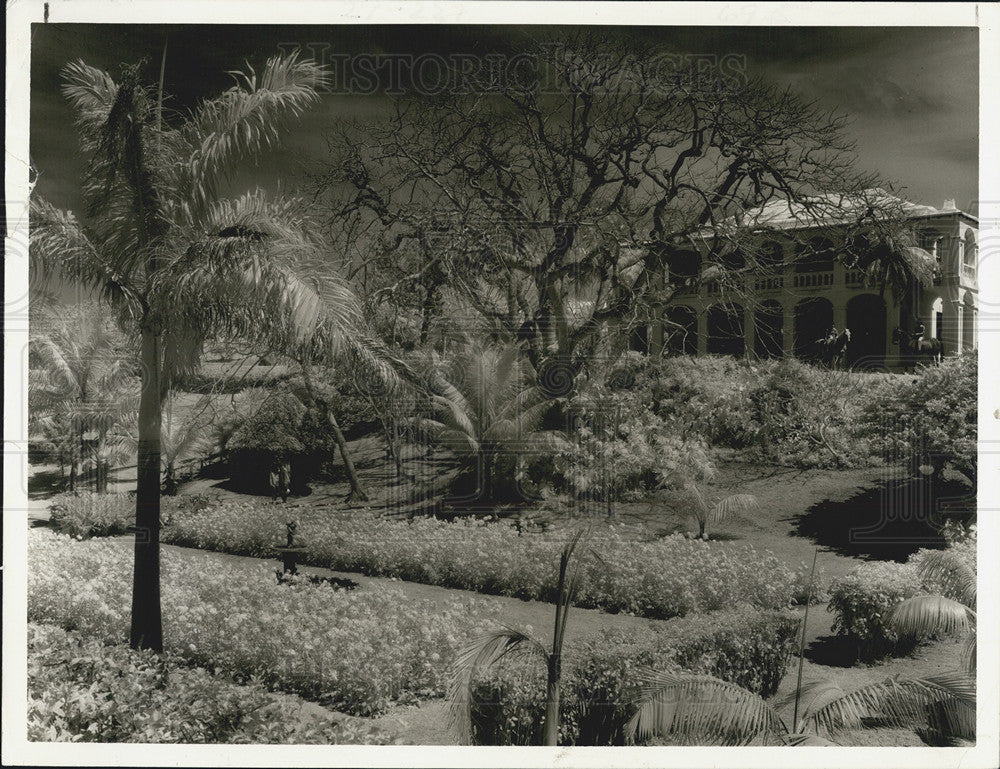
(486, 407)
(705, 710)
(742, 645)
(80, 392)
(930, 421)
(178, 262)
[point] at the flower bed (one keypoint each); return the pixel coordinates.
(745, 646)
(358, 651)
(81, 690)
(660, 579)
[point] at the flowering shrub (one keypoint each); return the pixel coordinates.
(931, 419)
(782, 411)
(357, 650)
(80, 690)
(622, 450)
(862, 600)
(88, 514)
(744, 646)
(804, 589)
(659, 579)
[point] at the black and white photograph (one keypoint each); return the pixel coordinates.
(400, 387)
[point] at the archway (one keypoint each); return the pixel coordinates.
(813, 321)
(725, 329)
(866, 318)
(768, 336)
(680, 331)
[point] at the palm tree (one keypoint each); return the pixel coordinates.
(485, 410)
(78, 387)
(179, 264)
(488, 650)
(706, 513)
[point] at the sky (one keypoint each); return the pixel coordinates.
(912, 93)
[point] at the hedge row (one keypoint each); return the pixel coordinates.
(658, 578)
(745, 646)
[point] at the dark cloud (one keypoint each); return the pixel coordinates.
(910, 90)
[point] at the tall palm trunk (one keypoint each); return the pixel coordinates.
(147, 630)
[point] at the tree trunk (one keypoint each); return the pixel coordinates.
(147, 630)
(550, 735)
(357, 492)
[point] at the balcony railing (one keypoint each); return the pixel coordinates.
(813, 279)
(769, 284)
(854, 278)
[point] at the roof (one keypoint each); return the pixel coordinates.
(784, 214)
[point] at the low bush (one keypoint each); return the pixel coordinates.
(81, 690)
(357, 650)
(745, 646)
(658, 578)
(85, 514)
(862, 600)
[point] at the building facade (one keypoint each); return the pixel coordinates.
(803, 287)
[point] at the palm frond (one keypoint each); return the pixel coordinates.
(945, 568)
(734, 505)
(812, 696)
(700, 708)
(244, 121)
(907, 703)
(259, 273)
(928, 614)
(91, 92)
(60, 249)
(479, 656)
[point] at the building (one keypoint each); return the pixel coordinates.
(802, 284)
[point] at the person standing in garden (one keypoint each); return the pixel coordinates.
(285, 480)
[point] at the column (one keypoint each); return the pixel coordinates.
(701, 317)
(788, 331)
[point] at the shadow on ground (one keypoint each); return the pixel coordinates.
(889, 522)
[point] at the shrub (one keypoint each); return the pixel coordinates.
(659, 579)
(782, 411)
(80, 690)
(743, 645)
(357, 650)
(862, 600)
(622, 450)
(85, 514)
(931, 419)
